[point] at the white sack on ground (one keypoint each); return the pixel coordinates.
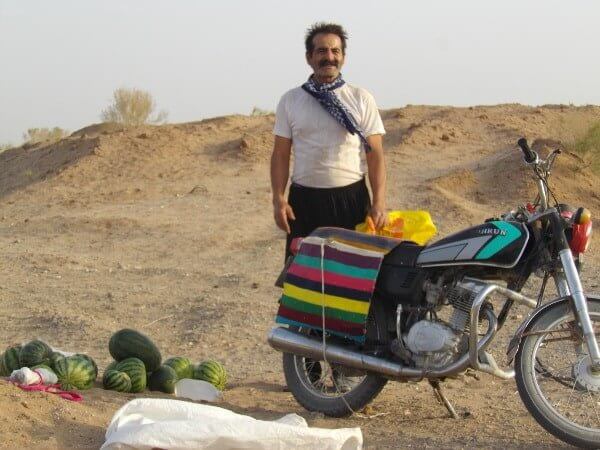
(198, 390)
(173, 424)
(27, 376)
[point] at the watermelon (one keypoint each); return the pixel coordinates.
(3, 369)
(54, 357)
(213, 372)
(134, 367)
(12, 358)
(75, 372)
(163, 379)
(111, 366)
(34, 353)
(127, 343)
(90, 360)
(184, 368)
(114, 380)
(42, 366)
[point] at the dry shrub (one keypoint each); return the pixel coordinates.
(37, 135)
(256, 111)
(588, 146)
(132, 107)
(5, 146)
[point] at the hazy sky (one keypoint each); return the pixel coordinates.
(61, 60)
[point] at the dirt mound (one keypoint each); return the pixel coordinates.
(433, 126)
(27, 165)
(502, 179)
(97, 129)
(108, 155)
(105, 160)
(257, 147)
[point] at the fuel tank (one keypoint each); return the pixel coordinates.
(495, 243)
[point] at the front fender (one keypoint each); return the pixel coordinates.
(515, 342)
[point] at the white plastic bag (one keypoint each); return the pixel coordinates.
(176, 425)
(27, 377)
(198, 390)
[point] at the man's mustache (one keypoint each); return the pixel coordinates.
(325, 63)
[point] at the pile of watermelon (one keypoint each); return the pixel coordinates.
(138, 365)
(77, 371)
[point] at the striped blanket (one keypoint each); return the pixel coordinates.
(334, 273)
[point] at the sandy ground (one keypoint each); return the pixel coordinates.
(169, 230)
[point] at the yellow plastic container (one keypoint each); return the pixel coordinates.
(415, 226)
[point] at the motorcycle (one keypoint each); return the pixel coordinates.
(431, 316)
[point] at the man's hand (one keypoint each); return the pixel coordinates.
(378, 215)
(283, 213)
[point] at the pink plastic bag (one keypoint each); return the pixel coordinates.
(53, 389)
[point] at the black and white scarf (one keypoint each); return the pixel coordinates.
(325, 95)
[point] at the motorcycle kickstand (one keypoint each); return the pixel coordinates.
(439, 395)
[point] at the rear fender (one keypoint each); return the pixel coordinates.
(515, 342)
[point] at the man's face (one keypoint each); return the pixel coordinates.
(327, 57)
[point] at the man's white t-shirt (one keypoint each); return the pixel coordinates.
(325, 153)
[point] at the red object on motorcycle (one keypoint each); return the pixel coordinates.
(295, 245)
(580, 239)
(530, 207)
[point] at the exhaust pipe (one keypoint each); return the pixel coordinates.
(288, 341)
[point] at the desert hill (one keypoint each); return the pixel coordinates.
(450, 148)
(168, 229)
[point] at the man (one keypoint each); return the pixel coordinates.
(334, 129)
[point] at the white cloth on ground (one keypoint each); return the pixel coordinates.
(173, 424)
(27, 377)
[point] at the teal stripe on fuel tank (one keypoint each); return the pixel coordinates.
(509, 234)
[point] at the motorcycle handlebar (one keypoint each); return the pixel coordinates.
(530, 155)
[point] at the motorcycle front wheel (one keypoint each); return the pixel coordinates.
(554, 377)
(332, 389)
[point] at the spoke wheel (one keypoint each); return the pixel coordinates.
(333, 389)
(327, 380)
(554, 376)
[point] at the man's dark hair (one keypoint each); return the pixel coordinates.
(326, 28)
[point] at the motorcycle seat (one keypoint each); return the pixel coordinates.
(379, 244)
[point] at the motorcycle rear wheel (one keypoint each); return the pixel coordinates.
(553, 376)
(335, 390)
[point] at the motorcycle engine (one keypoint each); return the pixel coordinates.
(435, 344)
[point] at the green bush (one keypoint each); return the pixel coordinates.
(132, 107)
(588, 146)
(37, 135)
